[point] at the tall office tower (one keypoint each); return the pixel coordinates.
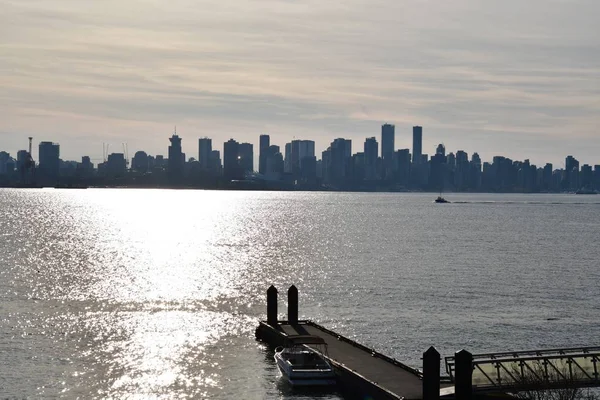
(22, 156)
(597, 177)
(246, 157)
(49, 162)
(547, 177)
(264, 143)
(571, 180)
(587, 177)
(370, 158)
(296, 153)
(273, 163)
(417, 144)
(4, 157)
(215, 163)
(388, 133)
(326, 165)
(204, 152)
(231, 169)
(341, 155)
(287, 159)
(176, 161)
(462, 170)
(116, 165)
(403, 167)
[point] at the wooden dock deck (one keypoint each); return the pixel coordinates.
(359, 368)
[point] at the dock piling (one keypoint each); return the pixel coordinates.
(431, 374)
(463, 382)
(293, 305)
(272, 305)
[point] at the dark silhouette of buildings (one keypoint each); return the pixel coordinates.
(263, 148)
(231, 165)
(337, 168)
(49, 162)
(246, 158)
(388, 138)
(205, 153)
(371, 157)
(417, 144)
(176, 160)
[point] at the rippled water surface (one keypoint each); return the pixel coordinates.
(141, 294)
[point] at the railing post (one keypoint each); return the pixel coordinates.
(431, 374)
(463, 381)
(272, 306)
(293, 305)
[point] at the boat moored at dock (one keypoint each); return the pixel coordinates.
(302, 361)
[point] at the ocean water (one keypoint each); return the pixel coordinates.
(155, 294)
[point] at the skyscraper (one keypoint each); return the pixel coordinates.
(295, 153)
(246, 157)
(176, 160)
(388, 133)
(49, 162)
(264, 143)
(417, 144)
(371, 156)
(231, 169)
(204, 152)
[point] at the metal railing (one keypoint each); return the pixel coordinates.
(536, 369)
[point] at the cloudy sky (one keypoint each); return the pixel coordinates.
(519, 78)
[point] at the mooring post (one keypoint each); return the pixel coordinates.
(463, 381)
(293, 305)
(272, 306)
(431, 374)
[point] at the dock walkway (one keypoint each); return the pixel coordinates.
(389, 376)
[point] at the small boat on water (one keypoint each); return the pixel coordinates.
(302, 365)
(440, 199)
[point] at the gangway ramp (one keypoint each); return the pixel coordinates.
(533, 370)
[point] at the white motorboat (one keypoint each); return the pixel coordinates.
(302, 365)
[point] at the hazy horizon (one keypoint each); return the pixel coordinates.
(494, 77)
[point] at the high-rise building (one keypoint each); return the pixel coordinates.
(370, 158)
(231, 166)
(403, 167)
(547, 178)
(4, 157)
(341, 155)
(462, 168)
(116, 165)
(295, 154)
(215, 166)
(176, 161)
(417, 144)
(287, 159)
(587, 177)
(246, 157)
(264, 143)
(140, 162)
(388, 133)
(571, 180)
(204, 152)
(49, 162)
(273, 163)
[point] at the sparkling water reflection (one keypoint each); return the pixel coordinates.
(156, 293)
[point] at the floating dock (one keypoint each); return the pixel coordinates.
(359, 369)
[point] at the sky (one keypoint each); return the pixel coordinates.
(500, 77)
